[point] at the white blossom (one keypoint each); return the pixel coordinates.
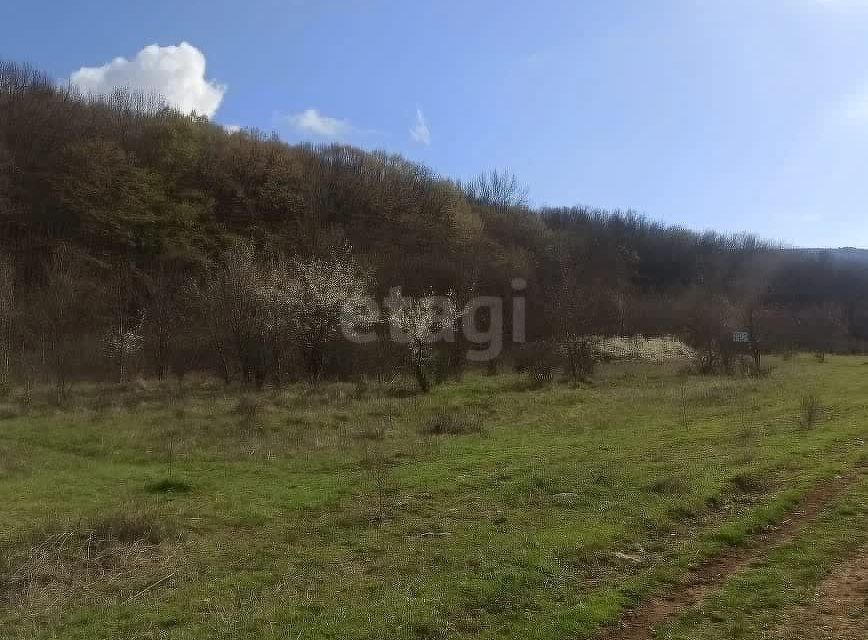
(316, 297)
(659, 349)
(124, 341)
(420, 321)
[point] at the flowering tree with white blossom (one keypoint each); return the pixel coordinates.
(420, 322)
(122, 342)
(315, 299)
(255, 306)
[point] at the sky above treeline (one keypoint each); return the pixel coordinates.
(734, 115)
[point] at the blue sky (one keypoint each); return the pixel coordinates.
(727, 114)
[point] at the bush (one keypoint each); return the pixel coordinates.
(581, 356)
(169, 485)
(449, 422)
(538, 360)
(541, 374)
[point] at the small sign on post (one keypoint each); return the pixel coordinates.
(741, 337)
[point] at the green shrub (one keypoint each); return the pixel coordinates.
(169, 485)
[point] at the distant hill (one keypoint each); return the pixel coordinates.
(851, 253)
(848, 254)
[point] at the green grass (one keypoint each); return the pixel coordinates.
(485, 509)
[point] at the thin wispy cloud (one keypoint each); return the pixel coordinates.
(311, 121)
(420, 132)
(857, 4)
(855, 108)
(850, 110)
(177, 73)
(535, 61)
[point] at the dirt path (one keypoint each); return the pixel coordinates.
(840, 607)
(639, 624)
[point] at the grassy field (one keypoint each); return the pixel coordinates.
(485, 509)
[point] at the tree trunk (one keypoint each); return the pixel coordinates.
(421, 378)
(418, 358)
(315, 363)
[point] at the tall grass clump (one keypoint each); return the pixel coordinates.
(810, 409)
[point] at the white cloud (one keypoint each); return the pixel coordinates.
(420, 131)
(312, 121)
(232, 128)
(177, 73)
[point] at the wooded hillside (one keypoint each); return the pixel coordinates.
(113, 211)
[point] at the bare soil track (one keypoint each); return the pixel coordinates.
(840, 607)
(640, 623)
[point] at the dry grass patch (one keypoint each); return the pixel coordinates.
(106, 560)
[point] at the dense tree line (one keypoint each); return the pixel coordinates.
(133, 235)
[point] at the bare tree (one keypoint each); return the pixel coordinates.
(580, 308)
(231, 306)
(710, 319)
(8, 318)
(758, 271)
(62, 309)
(500, 190)
(165, 309)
